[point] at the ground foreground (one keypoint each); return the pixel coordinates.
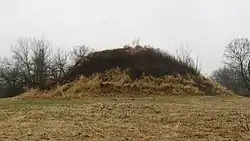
(162, 118)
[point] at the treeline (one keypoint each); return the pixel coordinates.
(34, 63)
(235, 74)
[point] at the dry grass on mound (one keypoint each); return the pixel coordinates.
(118, 83)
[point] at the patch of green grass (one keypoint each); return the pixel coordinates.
(149, 118)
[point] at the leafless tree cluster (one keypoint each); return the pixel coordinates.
(236, 73)
(35, 64)
(238, 55)
(229, 78)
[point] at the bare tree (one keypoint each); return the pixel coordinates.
(11, 80)
(78, 53)
(32, 59)
(41, 61)
(9, 72)
(238, 55)
(27, 66)
(183, 55)
(229, 78)
(60, 64)
(21, 54)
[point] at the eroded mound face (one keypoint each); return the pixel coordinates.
(118, 83)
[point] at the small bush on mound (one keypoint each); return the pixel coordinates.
(118, 83)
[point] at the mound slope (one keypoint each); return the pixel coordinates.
(116, 82)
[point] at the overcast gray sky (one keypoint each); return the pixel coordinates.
(205, 26)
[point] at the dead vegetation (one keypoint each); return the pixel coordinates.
(118, 83)
(173, 118)
(243, 121)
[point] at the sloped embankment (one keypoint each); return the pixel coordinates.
(118, 83)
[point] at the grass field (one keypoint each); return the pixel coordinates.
(158, 118)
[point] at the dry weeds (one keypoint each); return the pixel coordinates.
(118, 83)
(156, 118)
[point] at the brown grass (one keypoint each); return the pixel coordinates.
(118, 83)
(168, 108)
(176, 118)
